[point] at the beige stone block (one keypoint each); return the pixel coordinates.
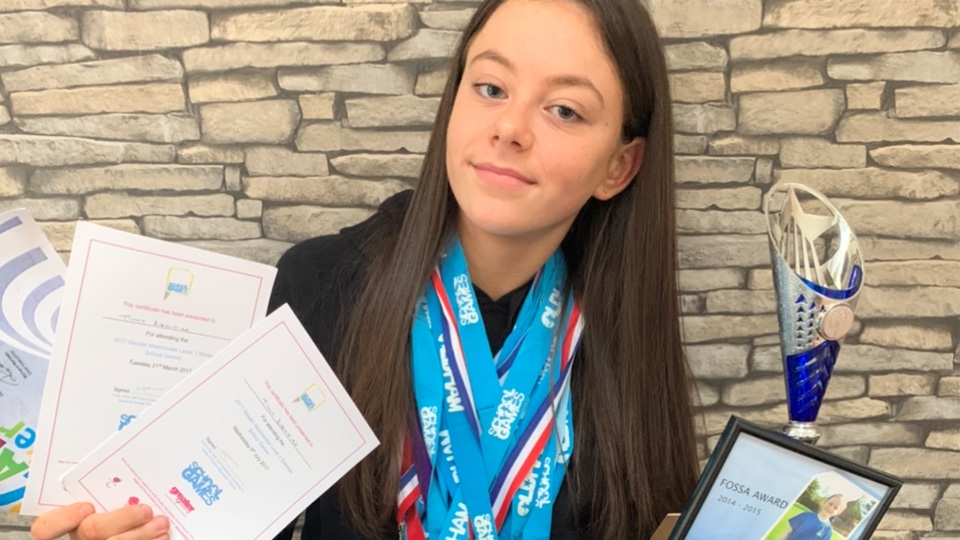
(318, 106)
(948, 439)
(453, 19)
(217, 4)
(755, 392)
(878, 127)
(360, 78)
(118, 205)
(261, 250)
(877, 302)
(202, 154)
(131, 69)
(873, 433)
(18, 56)
(231, 87)
(28, 5)
(42, 151)
(328, 23)
(383, 165)
(139, 98)
(776, 76)
(711, 279)
(704, 395)
(868, 96)
(739, 145)
(78, 181)
(702, 18)
(281, 161)
(838, 412)
(721, 361)
(815, 153)
(805, 112)
(431, 83)
(424, 45)
(698, 55)
(249, 209)
(328, 191)
(947, 516)
(393, 111)
(703, 118)
(266, 122)
(720, 222)
(917, 496)
(37, 27)
(231, 178)
(4, 115)
(873, 359)
(920, 66)
(896, 385)
(271, 55)
(917, 463)
(929, 408)
(169, 128)
(720, 251)
(298, 223)
(867, 13)
(13, 181)
(698, 86)
(924, 338)
(932, 219)
(954, 41)
(897, 249)
(714, 170)
(331, 137)
(924, 101)
(740, 198)
(949, 387)
(869, 183)
(690, 304)
(741, 301)
(760, 278)
(715, 420)
(45, 209)
(898, 520)
(764, 172)
(60, 234)
(934, 273)
(767, 359)
(146, 31)
(689, 144)
(197, 228)
(704, 328)
(819, 43)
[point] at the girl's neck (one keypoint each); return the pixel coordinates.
(500, 264)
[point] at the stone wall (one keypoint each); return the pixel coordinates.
(245, 125)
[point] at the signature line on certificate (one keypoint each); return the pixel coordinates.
(293, 443)
(164, 328)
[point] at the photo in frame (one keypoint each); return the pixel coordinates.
(762, 485)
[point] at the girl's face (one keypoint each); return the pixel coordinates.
(833, 506)
(536, 125)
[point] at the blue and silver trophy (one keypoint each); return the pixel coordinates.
(818, 274)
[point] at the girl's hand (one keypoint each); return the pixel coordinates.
(82, 523)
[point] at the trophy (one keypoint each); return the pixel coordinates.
(817, 274)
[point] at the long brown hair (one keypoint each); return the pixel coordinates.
(634, 457)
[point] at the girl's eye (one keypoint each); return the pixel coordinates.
(489, 91)
(565, 113)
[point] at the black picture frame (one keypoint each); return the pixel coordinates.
(735, 428)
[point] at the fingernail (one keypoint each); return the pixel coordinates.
(145, 511)
(159, 524)
(87, 510)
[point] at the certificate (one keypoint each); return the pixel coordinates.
(241, 447)
(31, 285)
(138, 315)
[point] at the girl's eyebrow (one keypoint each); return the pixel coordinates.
(559, 80)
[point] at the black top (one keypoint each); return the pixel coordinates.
(321, 279)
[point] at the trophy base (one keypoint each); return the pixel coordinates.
(805, 432)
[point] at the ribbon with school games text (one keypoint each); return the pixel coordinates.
(487, 455)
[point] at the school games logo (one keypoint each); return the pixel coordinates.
(179, 282)
(312, 398)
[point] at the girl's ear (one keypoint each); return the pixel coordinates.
(624, 164)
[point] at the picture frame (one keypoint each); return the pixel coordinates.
(762, 485)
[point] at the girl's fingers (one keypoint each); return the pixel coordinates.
(60, 521)
(134, 519)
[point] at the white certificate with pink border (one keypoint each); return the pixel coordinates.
(239, 448)
(137, 316)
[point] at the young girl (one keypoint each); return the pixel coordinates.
(510, 329)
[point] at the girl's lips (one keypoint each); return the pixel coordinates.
(500, 176)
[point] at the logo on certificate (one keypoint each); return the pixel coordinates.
(312, 398)
(179, 282)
